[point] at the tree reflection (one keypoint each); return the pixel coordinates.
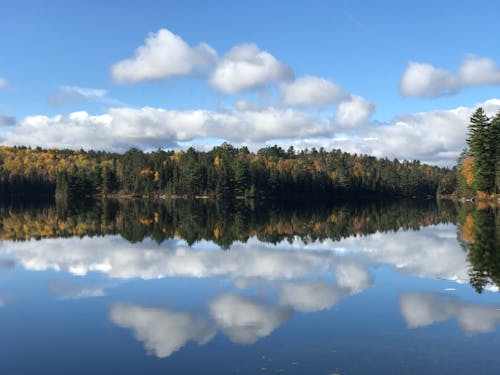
(479, 234)
(220, 222)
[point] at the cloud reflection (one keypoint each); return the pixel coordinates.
(161, 330)
(418, 253)
(424, 309)
(309, 296)
(245, 320)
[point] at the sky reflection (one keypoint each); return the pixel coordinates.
(260, 286)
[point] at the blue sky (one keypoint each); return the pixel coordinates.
(349, 68)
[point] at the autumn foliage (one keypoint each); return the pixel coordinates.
(225, 171)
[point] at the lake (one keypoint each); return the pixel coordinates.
(283, 287)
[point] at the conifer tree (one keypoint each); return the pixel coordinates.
(481, 148)
(495, 135)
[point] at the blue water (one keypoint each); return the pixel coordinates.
(396, 302)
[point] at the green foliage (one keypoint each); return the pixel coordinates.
(495, 135)
(448, 183)
(479, 233)
(464, 189)
(225, 171)
(481, 141)
(478, 167)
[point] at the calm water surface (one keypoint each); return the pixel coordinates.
(406, 287)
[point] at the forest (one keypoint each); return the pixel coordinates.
(223, 172)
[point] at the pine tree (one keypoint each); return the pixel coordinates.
(495, 136)
(481, 147)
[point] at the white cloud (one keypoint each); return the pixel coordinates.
(313, 92)
(309, 296)
(424, 309)
(428, 136)
(149, 128)
(163, 331)
(3, 82)
(433, 137)
(479, 72)
(245, 320)
(246, 67)
(163, 55)
(62, 131)
(354, 111)
(425, 80)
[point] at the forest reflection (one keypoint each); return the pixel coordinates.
(220, 222)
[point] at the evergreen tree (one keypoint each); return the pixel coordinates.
(495, 135)
(481, 148)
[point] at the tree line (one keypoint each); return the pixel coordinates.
(224, 172)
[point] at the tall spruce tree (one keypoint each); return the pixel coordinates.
(495, 135)
(481, 148)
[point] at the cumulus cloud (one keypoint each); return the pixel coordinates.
(245, 320)
(426, 80)
(354, 111)
(163, 331)
(149, 128)
(246, 67)
(163, 55)
(313, 92)
(435, 137)
(68, 95)
(62, 131)
(477, 71)
(309, 296)
(428, 136)
(424, 309)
